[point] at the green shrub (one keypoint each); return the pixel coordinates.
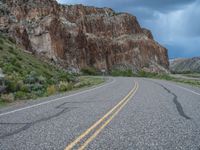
(1, 41)
(7, 98)
(35, 87)
(31, 78)
(51, 90)
(126, 73)
(89, 71)
(11, 85)
(1, 48)
(143, 73)
(39, 93)
(8, 68)
(20, 95)
(64, 86)
(63, 76)
(164, 76)
(41, 80)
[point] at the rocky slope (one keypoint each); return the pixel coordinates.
(79, 36)
(185, 65)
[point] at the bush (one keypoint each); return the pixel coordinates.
(143, 73)
(51, 90)
(7, 98)
(31, 78)
(20, 95)
(63, 76)
(39, 93)
(41, 80)
(89, 71)
(1, 41)
(11, 85)
(126, 73)
(36, 87)
(64, 86)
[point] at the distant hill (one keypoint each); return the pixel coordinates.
(191, 65)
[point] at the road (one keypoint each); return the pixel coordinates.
(124, 113)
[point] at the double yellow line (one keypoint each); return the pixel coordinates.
(97, 127)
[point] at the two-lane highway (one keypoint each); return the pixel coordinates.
(126, 113)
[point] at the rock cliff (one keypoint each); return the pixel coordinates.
(189, 65)
(79, 36)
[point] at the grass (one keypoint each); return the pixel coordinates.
(193, 75)
(27, 77)
(192, 82)
(2, 104)
(92, 80)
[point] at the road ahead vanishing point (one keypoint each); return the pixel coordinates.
(125, 113)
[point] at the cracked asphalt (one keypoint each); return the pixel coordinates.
(160, 115)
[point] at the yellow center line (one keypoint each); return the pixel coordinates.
(71, 145)
(105, 124)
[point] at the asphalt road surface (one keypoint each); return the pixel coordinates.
(124, 113)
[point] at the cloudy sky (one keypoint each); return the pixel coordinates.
(174, 23)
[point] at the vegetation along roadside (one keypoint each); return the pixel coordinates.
(23, 76)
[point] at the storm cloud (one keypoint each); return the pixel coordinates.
(174, 23)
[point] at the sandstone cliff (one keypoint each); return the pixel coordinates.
(79, 36)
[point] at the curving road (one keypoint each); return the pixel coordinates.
(124, 113)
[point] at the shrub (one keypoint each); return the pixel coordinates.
(39, 93)
(41, 80)
(63, 76)
(126, 73)
(143, 73)
(89, 71)
(20, 95)
(51, 90)
(64, 86)
(11, 85)
(1, 41)
(8, 68)
(7, 98)
(31, 78)
(35, 87)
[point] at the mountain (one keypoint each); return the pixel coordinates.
(185, 65)
(77, 36)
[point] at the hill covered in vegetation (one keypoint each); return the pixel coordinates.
(27, 77)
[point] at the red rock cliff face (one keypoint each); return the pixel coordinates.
(79, 36)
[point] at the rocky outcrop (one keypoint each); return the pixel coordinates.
(79, 36)
(190, 65)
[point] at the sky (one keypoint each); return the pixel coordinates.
(175, 24)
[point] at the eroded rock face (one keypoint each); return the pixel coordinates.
(79, 36)
(185, 65)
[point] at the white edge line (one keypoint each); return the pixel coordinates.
(53, 100)
(188, 90)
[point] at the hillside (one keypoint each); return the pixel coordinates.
(191, 65)
(78, 36)
(28, 77)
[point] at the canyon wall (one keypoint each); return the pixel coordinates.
(78, 36)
